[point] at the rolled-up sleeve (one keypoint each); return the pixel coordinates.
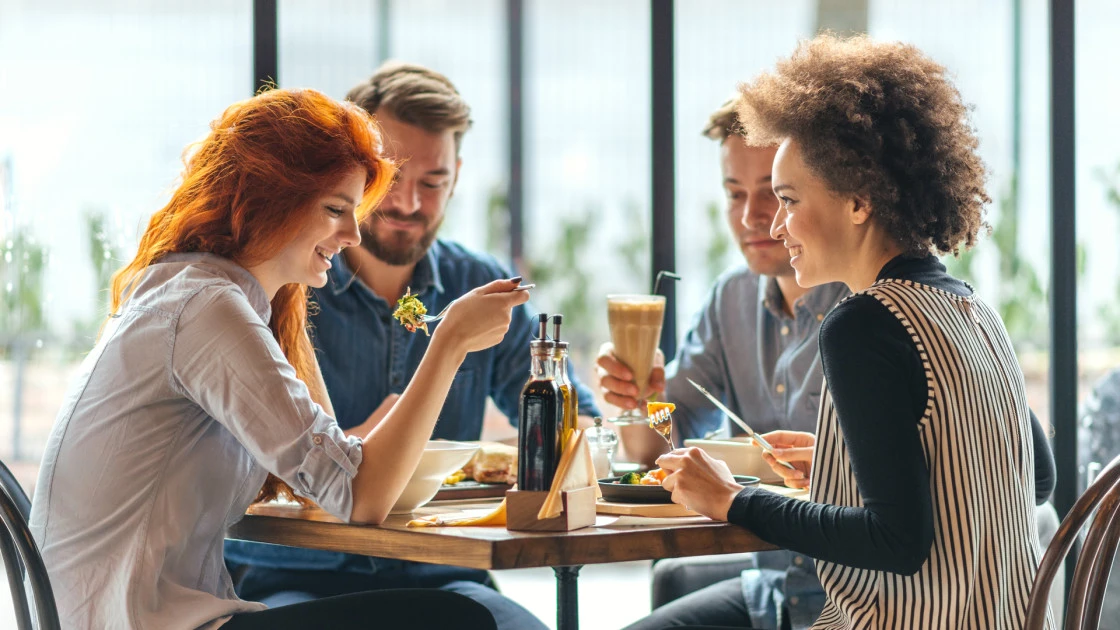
(225, 359)
(327, 452)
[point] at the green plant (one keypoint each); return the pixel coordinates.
(634, 247)
(717, 256)
(1020, 298)
(1109, 312)
(104, 258)
(565, 275)
(23, 264)
(497, 221)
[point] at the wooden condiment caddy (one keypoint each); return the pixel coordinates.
(568, 505)
(577, 510)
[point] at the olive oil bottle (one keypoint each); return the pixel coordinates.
(540, 412)
(567, 390)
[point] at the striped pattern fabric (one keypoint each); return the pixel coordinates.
(976, 439)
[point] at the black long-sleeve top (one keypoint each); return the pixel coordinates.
(879, 389)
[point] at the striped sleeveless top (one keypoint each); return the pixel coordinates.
(976, 440)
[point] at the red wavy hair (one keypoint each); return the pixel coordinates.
(244, 195)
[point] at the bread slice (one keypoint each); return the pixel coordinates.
(493, 463)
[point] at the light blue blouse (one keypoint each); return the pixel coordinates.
(177, 415)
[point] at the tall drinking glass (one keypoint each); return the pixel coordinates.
(635, 322)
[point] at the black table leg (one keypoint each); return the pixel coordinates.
(567, 597)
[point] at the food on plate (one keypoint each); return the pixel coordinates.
(455, 477)
(652, 478)
(493, 463)
(630, 479)
(410, 312)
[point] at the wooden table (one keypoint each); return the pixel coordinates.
(494, 547)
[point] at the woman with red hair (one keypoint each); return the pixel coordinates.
(204, 381)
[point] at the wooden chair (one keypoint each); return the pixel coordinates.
(20, 553)
(1090, 577)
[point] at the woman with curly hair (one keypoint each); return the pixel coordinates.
(203, 382)
(927, 461)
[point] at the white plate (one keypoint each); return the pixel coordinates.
(742, 455)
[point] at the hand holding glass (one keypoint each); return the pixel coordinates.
(635, 322)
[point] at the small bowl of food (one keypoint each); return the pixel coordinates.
(742, 456)
(439, 460)
(636, 487)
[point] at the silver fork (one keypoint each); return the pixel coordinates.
(428, 319)
(662, 422)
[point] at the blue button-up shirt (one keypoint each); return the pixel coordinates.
(765, 366)
(366, 355)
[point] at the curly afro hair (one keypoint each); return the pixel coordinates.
(880, 120)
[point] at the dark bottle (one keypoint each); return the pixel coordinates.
(540, 413)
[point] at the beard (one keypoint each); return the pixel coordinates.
(397, 249)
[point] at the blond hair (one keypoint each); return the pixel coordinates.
(724, 122)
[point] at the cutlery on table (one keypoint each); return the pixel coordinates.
(761, 441)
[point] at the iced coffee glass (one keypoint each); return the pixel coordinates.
(635, 322)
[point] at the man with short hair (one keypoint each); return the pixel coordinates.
(368, 359)
(754, 345)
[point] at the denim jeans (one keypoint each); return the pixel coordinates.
(280, 587)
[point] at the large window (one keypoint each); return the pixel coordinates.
(100, 99)
(1010, 268)
(587, 143)
(334, 50)
(719, 44)
(722, 43)
(1098, 224)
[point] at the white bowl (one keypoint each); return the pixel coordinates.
(742, 455)
(440, 459)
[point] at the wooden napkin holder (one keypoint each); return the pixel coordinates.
(522, 507)
(570, 502)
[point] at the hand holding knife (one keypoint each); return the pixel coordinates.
(761, 441)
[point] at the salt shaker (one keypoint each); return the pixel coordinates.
(603, 442)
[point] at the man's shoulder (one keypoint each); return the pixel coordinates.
(456, 260)
(455, 253)
(734, 283)
(738, 275)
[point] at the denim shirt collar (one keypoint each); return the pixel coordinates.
(235, 272)
(818, 300)
(424, 276)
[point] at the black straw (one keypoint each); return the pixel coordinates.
(660, 275)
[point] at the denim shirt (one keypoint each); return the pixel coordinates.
(178, 413)
(765, 366)
(366, 355)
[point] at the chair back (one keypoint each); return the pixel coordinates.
(1090, 576)
(11, 484)
(19, 551)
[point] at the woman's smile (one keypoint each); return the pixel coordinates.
(326, 255)
(794, 252)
